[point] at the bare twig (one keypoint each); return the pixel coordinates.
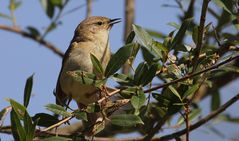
(200, 33)
(58, 124)
(37, 39)
(89, 8)
(192, 75)
(203, 120)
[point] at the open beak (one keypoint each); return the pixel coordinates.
(114, 21)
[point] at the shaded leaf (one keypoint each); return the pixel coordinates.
(130, 38)
(97, 67)
(181, 32)
(175, 92)
(33, 31)
(190, 91)
(129, 92)
(215, 101)
(48, 7)
(18, 131)
(57, 109)
(123, 79)
(126, 120)
(44, 119)
(195, 34)
(118, 59)
(28, 90)
(29, 127)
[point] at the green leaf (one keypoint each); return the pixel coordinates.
(122, 79)
(57, 3)
(18, 131)
(57, 109)
(5, 16)
(56, 139)
(93, 108)
(28, 90)
(175, 92)
(2, 114)
(126, 120)
(33, 31)
(97, 67)
(194, 113)
(181, 32)
(138, 101)
(18, 108)
(44, 119)
(129, 92)
(155, 34)
(225, 4)
(195, 34)
(86, 78)
(139, 72)
(48, 7)
(130, 38)
(162, 100)
(215, 101)
(147, 41)
(144, 73)
(191, 90)
(81, 115)
(14, 5)
(118, 59)
(29, 127)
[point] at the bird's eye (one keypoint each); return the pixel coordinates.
(99, 23)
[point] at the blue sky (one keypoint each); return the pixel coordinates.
(22, 57)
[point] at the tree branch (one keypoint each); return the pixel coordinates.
(37, 39)
(192, 75)
(203, 120)
(89, 8)
(200, 33)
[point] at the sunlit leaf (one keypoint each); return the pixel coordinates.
(126, 120)
(138, 101)
(80, 115)
(57, 109)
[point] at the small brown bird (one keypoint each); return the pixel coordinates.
(91, 37)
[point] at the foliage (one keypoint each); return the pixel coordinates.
(167, 58)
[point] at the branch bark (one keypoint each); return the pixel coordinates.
(200, 33)
(37, 39)
(89, 8)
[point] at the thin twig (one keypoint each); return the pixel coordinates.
(37, 39)
(200, 33)
(57, 124)
(192, 75)
(203, 120)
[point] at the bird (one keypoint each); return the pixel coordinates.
(91, 36)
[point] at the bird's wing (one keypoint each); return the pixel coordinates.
(62, 98)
